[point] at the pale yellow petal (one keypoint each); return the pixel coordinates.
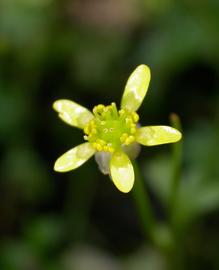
(122, 172)
(72, 113)
(154, 135)
(74, 157)
(136, 88)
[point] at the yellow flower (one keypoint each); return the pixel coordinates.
(108, 130)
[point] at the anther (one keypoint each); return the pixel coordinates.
(105, 148)
(129, 140)
(93, 131)
(133, 130)
(128, 120)
(94, 145)
(110, 149)
(99, 147)
(100, 107)
(121, 112)
(135, 117)
(86, 129)
(123, 137)
(101, 142)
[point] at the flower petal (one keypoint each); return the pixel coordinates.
(72, 113)
(136, 88)
(74, 157)
(154, 135)
(122, 172)
(103, 160)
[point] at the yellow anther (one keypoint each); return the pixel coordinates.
(121, 112)
(133, 130)
(86, 129)
(99, 147)
(93, 131)
(95, 109)
(105, 148)
(135, 117)
(107, 108)
(123, 137)
(92, 122)
(85, 137)
(94, 145)
(100, 107)
(110, 149)
(126, 142)
(128, 120)
(132, 138)
(101, 142)
(129, 140)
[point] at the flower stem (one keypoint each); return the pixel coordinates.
(143, 205)
(177, 165)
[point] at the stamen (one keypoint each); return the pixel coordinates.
(133, 130)
(135, 117)
(93, 131)
(110, 128)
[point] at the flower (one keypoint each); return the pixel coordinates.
(109, 130)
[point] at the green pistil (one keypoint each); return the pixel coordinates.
(110, 128)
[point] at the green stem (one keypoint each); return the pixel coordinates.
(158, 233)
(177, 165)
(143, 205)
(176, 259)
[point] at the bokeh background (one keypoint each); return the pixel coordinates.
(85, 51)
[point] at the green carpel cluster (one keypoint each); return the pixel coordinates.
(110, 128)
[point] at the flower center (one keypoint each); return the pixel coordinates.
(110, 128)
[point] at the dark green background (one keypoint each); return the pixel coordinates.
(85, 51)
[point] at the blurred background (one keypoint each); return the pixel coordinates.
(85, 51)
